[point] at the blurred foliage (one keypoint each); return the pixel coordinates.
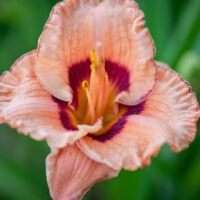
(175, 28)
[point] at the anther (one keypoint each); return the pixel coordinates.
(85, 84)
(92, 67)
(93, 57)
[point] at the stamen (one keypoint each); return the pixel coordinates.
(97, 93)
(102, 101)
(99, 85)
(85, 86)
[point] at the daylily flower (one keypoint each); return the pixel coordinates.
(94, 92)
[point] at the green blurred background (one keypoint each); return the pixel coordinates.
(175, 28)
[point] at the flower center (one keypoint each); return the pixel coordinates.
(97, 90)
(95, 84)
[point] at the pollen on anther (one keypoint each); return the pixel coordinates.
(92, 67)
(85, 84)
(93, 57)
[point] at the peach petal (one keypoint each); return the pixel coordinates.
(74, 28)
(174, 103)
(126, 42)
(129, 149)
(67, 39)
(70, 173)
(169, 115)
(25, 105)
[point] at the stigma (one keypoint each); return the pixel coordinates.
(97, 88)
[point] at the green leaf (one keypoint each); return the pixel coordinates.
(184, 33)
